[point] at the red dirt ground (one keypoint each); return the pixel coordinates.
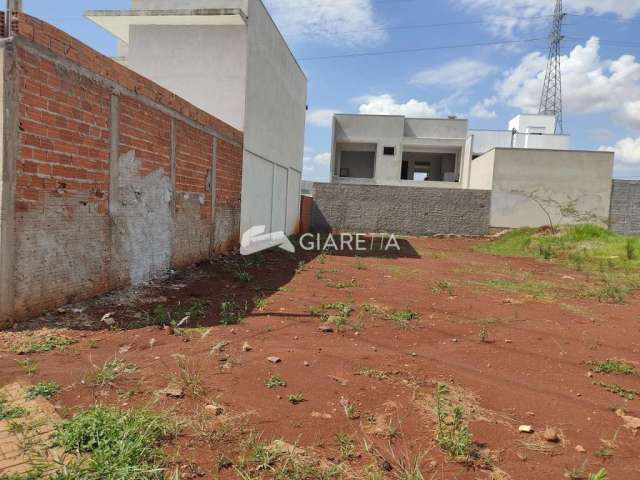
(531, 370)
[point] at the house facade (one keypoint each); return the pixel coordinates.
(433, 152)
(533, 175)
(228, 58)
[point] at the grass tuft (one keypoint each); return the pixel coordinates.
(45, 390)
(115, 444)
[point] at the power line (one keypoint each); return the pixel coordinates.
(423, 49)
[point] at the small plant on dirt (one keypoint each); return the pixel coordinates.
(452, 433)
(372, 373)
(53, 342)
(350, 410)
(443, 286)
(360, 265)
(261, 454)
(611, 291)
(28, 365)
(353, 283)
(45, 390)
(603, 453)
(576, 473)
(631, 249)
(545, 251)
(243, 276)
(116, 444)
(345, 446)
(260, 302)
(189, 377)
(618, 367)
(370, 309)
(109, 372)
(9, 412)
(601, 475)
(275, 381)
(617, 390)
(232, 313)
(402, 318)
(223, 462)
(295, 398)
(484, 333)
(301, 267)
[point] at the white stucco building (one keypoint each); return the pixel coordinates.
(228, 58)
(525, 166)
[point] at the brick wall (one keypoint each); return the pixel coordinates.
(625, 207)
(108, 180)
(400, 210)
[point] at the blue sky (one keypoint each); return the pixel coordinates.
(488, 84)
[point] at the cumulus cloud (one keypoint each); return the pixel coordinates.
(316, 165)
(627, 151)
(457, 74)
(631, 113)
(321, 117)
(483, 109)
(591, 84)
(336, 21)
(387, 105)
(506, 17)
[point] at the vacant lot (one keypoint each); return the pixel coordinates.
(423, 364)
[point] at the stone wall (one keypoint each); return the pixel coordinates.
(108, 179)
(625, 207)
(400, 210)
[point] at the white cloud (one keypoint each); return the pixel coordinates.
(316, 166)
(505, 17)
(321, 117)
(627, 151)
(631, 113)
(336, 21)
(591, 84)
(483, 109)
(386, 105)
(457, 74)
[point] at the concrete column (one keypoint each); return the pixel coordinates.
(13, 6)
(8, 158)
(114, 153)
(174, 147)
(213, 184)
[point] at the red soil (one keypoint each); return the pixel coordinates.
(531, 370)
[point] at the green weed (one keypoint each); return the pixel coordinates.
(402, 318)
(452, 433)
(232, 313)
(115, 444)
(619, 367)
(45, 390)
(617, 390)
(275, 381)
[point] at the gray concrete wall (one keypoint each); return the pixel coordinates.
(625, 207)
(206, 66)
(275, 109)
(400, 210)
(573, 186)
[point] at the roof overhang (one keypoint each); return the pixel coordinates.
(118, 22)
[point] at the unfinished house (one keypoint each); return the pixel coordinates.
(107, 178)
(529, 174)
(228, 58)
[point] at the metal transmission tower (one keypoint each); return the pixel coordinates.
(551, 100)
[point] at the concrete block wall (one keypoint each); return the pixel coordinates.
(400, 210)
(107, 178)
(625, 207)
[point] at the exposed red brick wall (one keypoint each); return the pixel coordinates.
(80, 228)
(194, 161)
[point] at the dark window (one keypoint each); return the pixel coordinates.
(389, 150)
